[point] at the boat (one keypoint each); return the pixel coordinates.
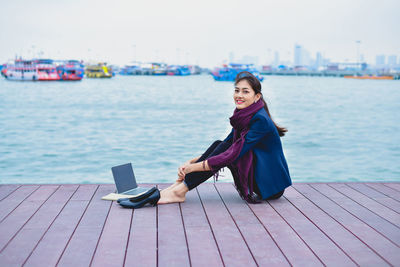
(194, 69)
(20, 70)
(370, 77)
(99, 70)
(47, 70)
(131, 69)
(159, 69)
(230, 71)
(179, 70)
(70, 70)
(31, 70)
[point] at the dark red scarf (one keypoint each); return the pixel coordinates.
(242, 168)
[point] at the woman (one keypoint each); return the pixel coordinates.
(252, 151)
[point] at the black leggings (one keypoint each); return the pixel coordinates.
(193, 179)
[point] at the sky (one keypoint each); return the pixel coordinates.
(198, 32)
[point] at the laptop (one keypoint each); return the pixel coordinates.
(125, 181)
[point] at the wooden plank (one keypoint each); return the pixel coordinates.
(56, 238)
(233, 248)
(203, 249)
(327, 251)
(295, 250)
(6, 189)
(113, 240)
(263, 247)
(373, 239)
(395, 186)
(142, 242)
(378, 223)
(388, 191)
(172, 245)
(353, 247)
(8, 204)
(377, 196)
(82, 245)
(85, 192)
(368, 203)
(20, 247)
(142, 246)
(13, 222)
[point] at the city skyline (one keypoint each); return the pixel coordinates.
(194, 33)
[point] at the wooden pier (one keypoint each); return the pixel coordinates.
(314, 224)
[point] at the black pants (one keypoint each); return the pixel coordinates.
(193, 179)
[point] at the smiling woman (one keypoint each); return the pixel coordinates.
(252, 151)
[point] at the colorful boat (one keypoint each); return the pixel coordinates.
(70, 70)
(46, 70)
(99, 70)
(20, 70)
(178, 70)
(194, 69)
(159, 69)
(229, 72)
(131, 69)
(31, 70)
(370, 77)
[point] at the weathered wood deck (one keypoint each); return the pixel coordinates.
(314, 224)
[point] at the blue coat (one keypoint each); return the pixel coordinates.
(271, 172)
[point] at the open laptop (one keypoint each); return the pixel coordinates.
(125, 181)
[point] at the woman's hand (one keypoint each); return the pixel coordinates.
(183, 170)
(181, 174)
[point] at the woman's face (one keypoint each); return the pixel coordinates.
(244, 95)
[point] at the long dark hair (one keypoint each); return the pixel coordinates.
(256, 85)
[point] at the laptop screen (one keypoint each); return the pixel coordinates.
(124, 177)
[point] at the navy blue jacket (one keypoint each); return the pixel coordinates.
(271, 172)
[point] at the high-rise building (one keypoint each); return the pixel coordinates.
(318, 60)
(246, 59)
(392, 60)
(298, 55)
(276, 59)
(380, 60)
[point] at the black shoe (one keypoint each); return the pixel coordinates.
(152, 199)
(277, 195)
(140, 197)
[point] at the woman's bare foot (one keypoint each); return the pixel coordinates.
(175, 194)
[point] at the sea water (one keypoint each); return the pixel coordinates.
(74, 132)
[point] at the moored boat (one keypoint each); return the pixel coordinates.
(20, 70)
(98, 71)
(70, 70)
(229, 72)
(178, 70)
(159, 69)
(370, 77)
(46, 70)
(31, 70)
(131, 69)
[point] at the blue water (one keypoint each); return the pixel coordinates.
(74, 132)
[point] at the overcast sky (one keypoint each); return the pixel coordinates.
(197, 32)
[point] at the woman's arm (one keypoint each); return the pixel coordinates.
(259, 128)
(197, 167)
